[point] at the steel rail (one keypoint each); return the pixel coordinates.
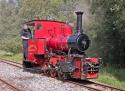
(105, 86)
(95, 86)
(13, 87)
(11, 63)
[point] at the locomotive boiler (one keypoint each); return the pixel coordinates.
(59, 52)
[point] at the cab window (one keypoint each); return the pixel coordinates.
(39, 26)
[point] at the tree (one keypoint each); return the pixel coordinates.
(9, 27)
(110, 29)
(15, 12)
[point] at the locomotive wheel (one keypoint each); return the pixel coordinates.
(46, 71)
(53, 73)
(61, 76)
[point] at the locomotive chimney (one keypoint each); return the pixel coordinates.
(79, 22)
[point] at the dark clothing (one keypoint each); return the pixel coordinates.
(25, 49)
(27, 34)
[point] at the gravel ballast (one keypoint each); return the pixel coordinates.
(35, 82)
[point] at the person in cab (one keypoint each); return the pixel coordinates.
(25, 35)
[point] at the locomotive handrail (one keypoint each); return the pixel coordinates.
(39, 38)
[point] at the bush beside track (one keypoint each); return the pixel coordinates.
(113, 76)
(11, 56)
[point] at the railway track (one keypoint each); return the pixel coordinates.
(91, 85)
(103, 87)
(95, 86)
(9, 85)
(19, 65)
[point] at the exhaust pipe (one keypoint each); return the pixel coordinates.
(79, 22)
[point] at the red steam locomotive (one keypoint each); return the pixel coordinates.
(59, 52)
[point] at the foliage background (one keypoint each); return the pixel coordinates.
(103, 21)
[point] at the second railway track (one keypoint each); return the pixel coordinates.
(91, 85)
(10, 85)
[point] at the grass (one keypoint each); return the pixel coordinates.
(113, 76)
(10, 56)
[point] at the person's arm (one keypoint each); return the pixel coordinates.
(23, 37)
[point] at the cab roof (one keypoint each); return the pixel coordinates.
(31, 23)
